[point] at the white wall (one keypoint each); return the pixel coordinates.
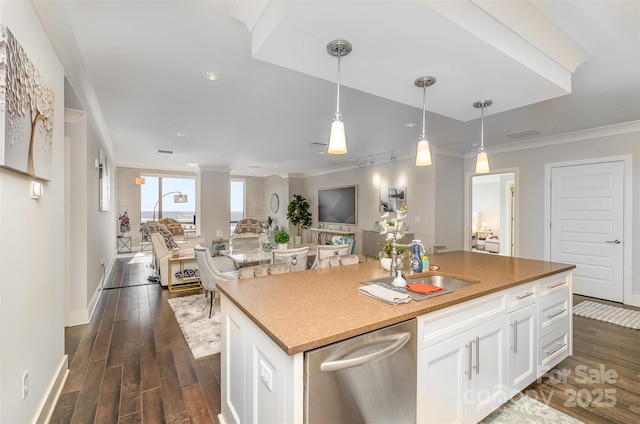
(32, 276)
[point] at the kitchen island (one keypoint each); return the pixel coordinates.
(269, 322)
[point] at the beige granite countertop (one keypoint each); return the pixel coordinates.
(304, 310)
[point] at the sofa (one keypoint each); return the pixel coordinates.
(163, 253)
(174, 238)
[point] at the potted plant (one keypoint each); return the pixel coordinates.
(298, 214)
(125, 225)
(281, 238)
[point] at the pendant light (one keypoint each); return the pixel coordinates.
(337, 136)
(423, 152)
(482, 161)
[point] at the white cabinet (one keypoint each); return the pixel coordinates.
(463, 367)
(442, 372)
(476, 355)
(522, 348)
(555, 328)
(267, 384)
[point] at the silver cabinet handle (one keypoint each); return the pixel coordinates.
(470, 347)
(524, 296)
(477, 355)
(398, 339)
(616, 241)
(556, 314)
(555, 350)
(553, 286)
(515, 336)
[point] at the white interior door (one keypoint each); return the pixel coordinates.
(587, 226)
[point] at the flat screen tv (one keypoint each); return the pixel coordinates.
(338, 205)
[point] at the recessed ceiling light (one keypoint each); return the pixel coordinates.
(410, 124)
(178, 134)
(191, 165)
(322, 152)
(210, 75)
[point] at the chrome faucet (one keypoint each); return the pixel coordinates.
(393, 269)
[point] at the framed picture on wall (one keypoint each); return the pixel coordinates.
(392, 198)
(26, 112)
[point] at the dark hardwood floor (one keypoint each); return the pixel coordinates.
(131, 364)
(600, 382)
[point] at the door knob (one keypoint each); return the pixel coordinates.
(616, 241)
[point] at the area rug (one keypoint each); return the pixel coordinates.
(607, 313)
(201, 332)
(523, 409)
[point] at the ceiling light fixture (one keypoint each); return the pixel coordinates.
(212, 76)
(423, 152)
(140, 181)
(482, 161)
(337, 136)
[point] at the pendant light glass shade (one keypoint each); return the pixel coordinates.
(338, 136)
(423, 152)
(482, 160)
(337, 139)
(482, 163)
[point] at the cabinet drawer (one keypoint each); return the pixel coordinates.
(521, 296)
(553, 284)
(553, 348)
(553, 312)
(445, 323)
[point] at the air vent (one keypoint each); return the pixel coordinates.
(165, 152)
(522, 134)
(317, 144)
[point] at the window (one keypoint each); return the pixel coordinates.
(157, 199)
(236, 202)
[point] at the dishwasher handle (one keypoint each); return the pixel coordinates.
(398, 339)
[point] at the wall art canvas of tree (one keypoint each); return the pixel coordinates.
(26, 112)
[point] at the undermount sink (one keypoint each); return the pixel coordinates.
(431, 280)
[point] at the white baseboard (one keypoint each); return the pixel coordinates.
(53, 393)
(82, 317)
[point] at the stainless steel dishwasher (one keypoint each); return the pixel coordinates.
(366, 379)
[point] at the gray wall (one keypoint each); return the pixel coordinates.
(32, 248)
(423, 185)
(530, 188)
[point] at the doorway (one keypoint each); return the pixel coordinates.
(493, 213)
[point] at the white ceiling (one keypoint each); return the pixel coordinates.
(551, 67)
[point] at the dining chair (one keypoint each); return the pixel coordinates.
(296, 258)
(340, 260)
(325, 251)
(263, 270)
(210, 274)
